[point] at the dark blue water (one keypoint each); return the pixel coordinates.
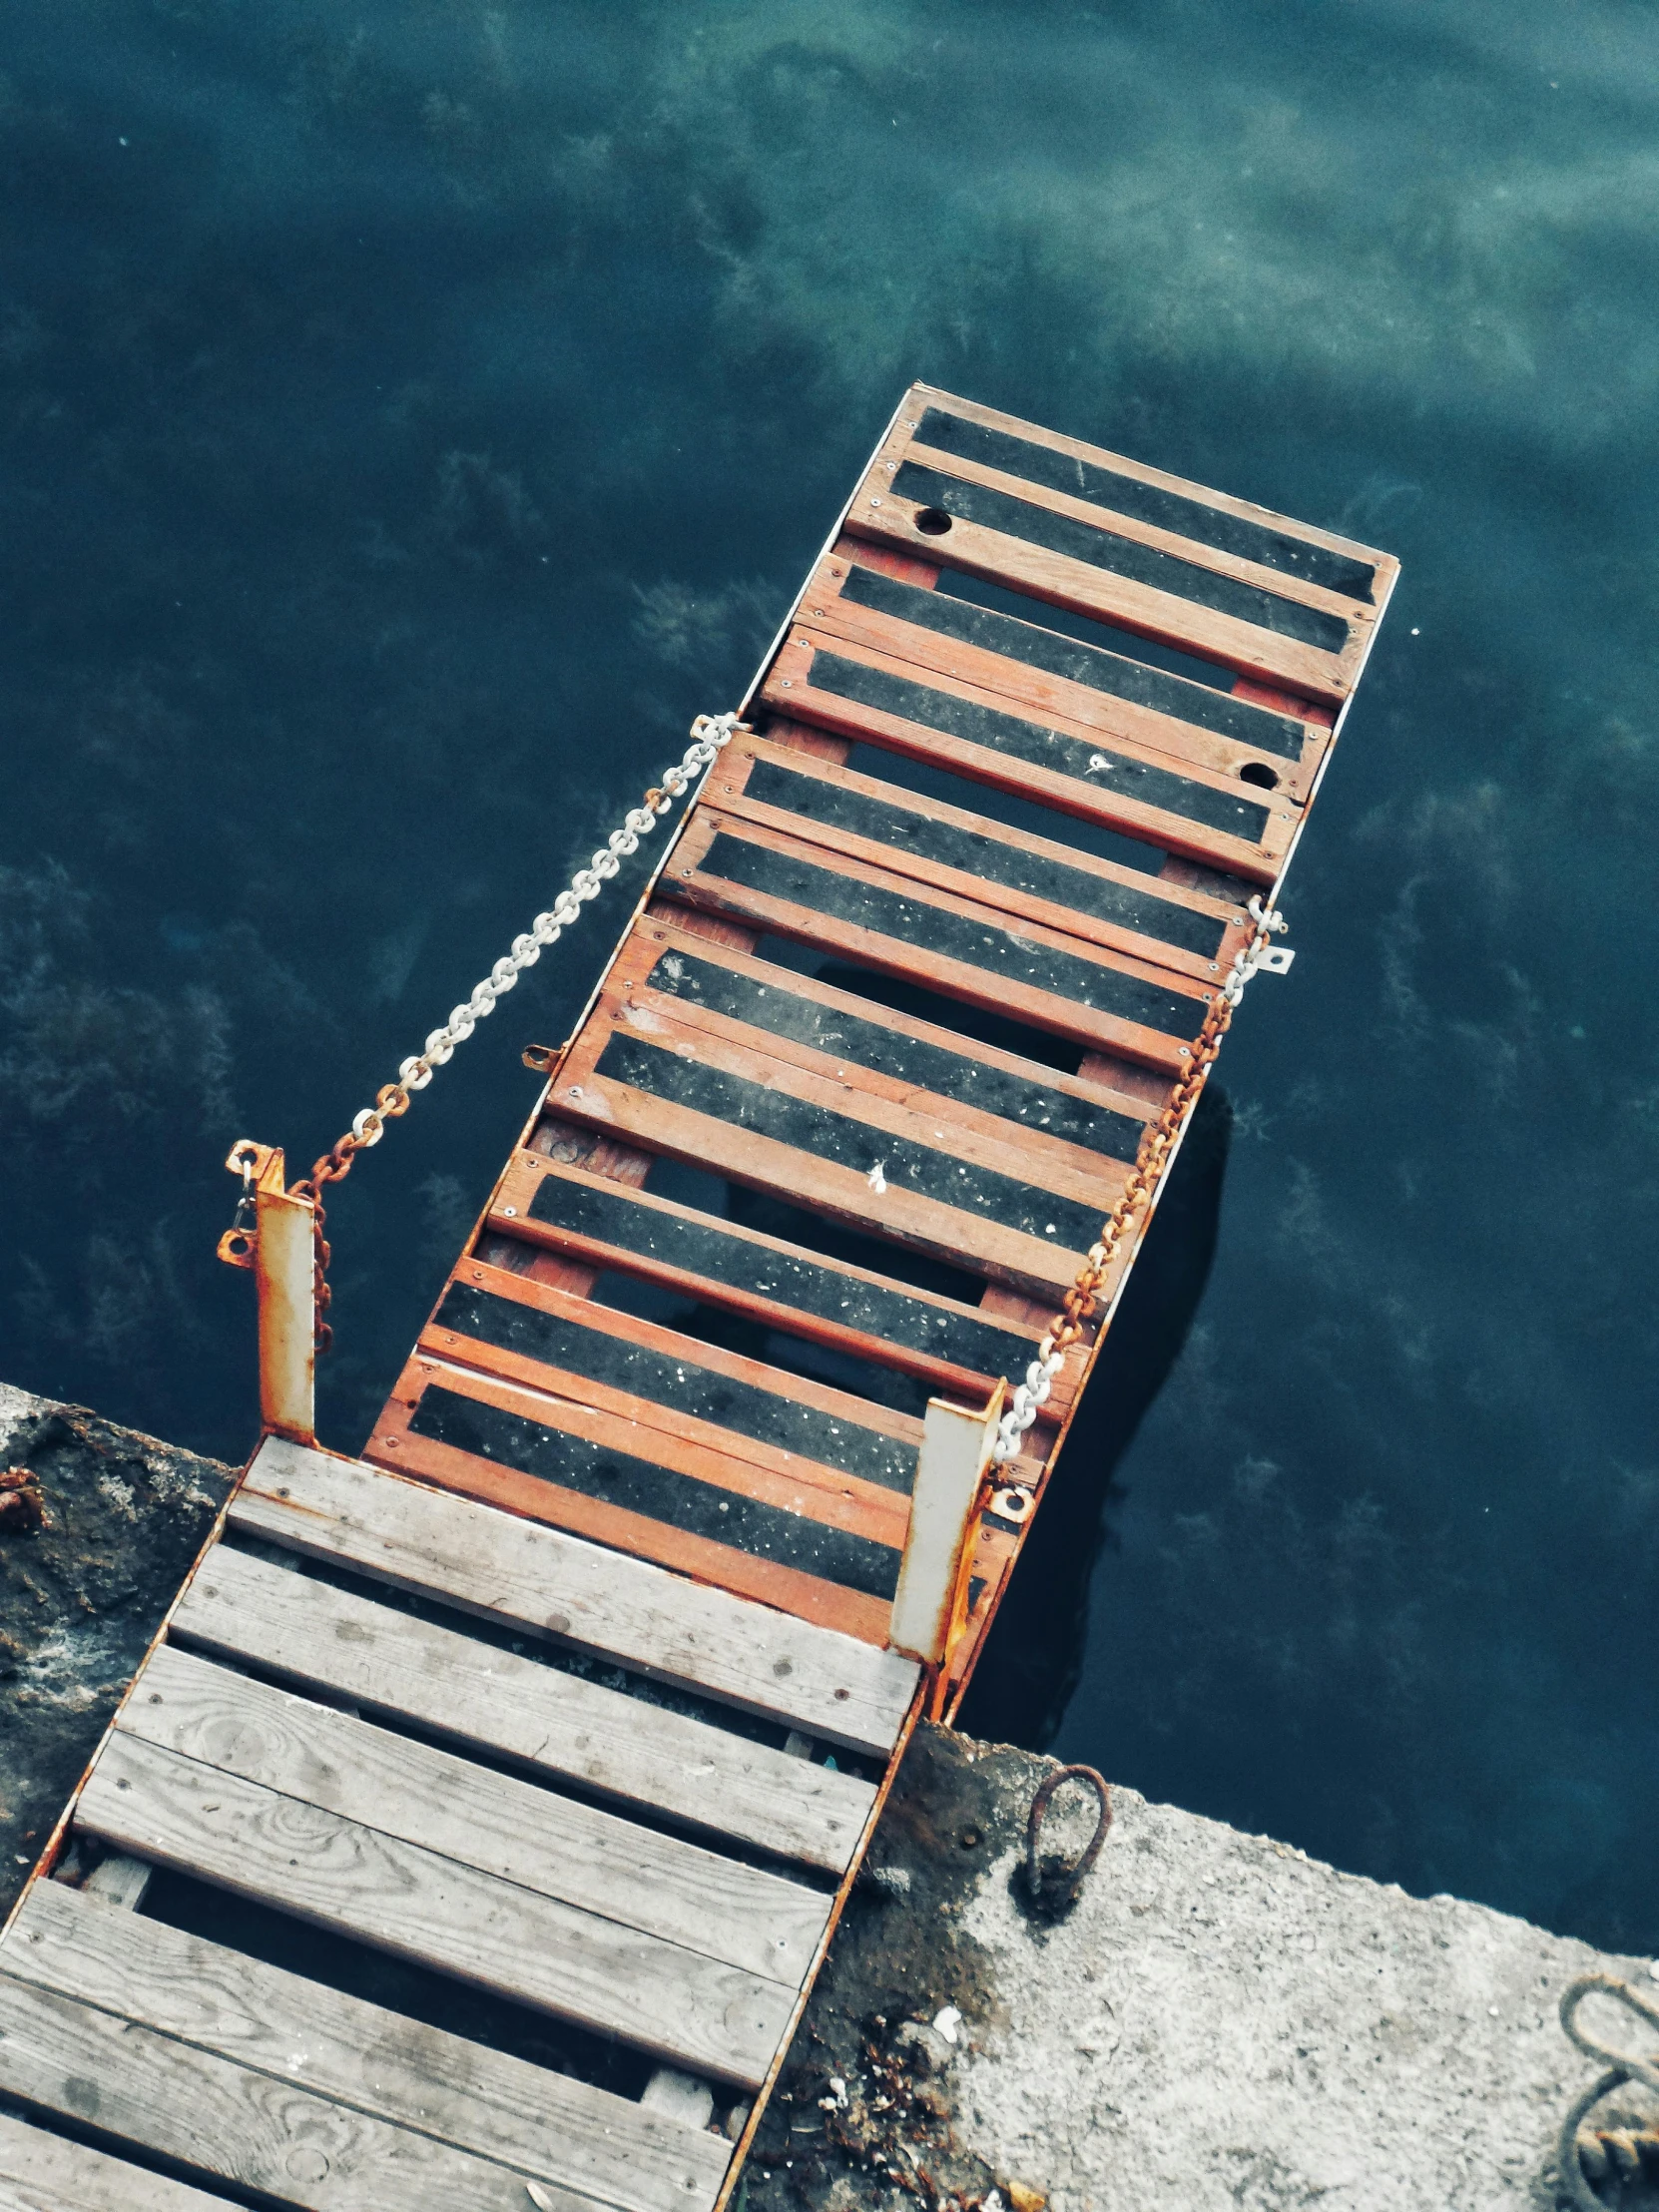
(414, 414)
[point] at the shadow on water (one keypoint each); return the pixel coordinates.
(1034, 1655)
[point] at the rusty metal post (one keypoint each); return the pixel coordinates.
(931, 1602)
(278, 1245)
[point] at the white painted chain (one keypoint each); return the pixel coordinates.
(1257, 954)
(1022, 1411)
(709, 734)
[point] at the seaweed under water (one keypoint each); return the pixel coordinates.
(413, 415)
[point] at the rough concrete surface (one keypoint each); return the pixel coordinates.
(1220, 2023)
(121, 1518)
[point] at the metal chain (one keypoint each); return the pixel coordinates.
(1157, 1141)
(710, 735)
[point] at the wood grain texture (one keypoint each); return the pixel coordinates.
(788, 1510)
(41, 2172)
(525, 1453)
(417, 1793)
(1050, 1121)
(417, 1903)
(860, 1077)
(883, 513)
(1203, 496)
(1055, 885)
(781, 1130)
(1218, 800)
(1207, 551)
(657, 1623)
(961, 947)
(561, 2130)
(1050, 675)
(601, 1355)
(512, 1706)
(1115, 522)
(1142, 796)
(804, 1294)
(232, 2123)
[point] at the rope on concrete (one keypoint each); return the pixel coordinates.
(1602, 2152)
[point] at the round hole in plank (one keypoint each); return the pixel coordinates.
(1258, 772)
(932, 523)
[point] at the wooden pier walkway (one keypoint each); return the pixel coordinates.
(576, 1689)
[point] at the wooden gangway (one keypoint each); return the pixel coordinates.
(578, 1688)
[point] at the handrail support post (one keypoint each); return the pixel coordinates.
(929, 1607)
(280, 1246)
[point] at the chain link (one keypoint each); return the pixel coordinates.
(1157, 1142)
(710, 735)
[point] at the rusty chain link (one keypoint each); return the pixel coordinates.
(1157, 1142)
(710, 735)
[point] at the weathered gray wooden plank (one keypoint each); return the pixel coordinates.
(230, 2122)
(120, 1882)
(561, 2130)
(524, 1834)
(46, 2173)
(336, 1873)
(487, 1561)
(474, 1693)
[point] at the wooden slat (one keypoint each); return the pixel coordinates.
(717, 1015)
(626, 1452)
(39, 2172)
(827, 1686)
(760, 1122)
(1196, 513)
(1055, 885)
(927, 453)
(1181, 807)
(960, 947)
(233, 2123)
(562, 2131)
(555, 1340)
(642, 1493)
(633, 1752)
(547, 1202)
(414, 1792)
(1000, 539)
(417, 1903)
(1046, 674)
(1184, 588)
(1044, 1127)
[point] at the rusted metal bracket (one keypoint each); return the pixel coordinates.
(278, 1245)
(929, 1607)
(1052, 1881)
